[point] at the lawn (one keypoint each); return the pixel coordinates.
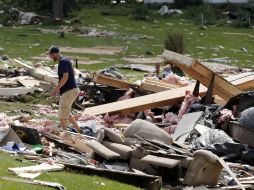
(216, 41)
(72, 181)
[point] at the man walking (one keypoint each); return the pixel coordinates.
(67, 87)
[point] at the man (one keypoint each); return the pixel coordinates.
(67, 87)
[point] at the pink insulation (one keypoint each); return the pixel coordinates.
(187, 102)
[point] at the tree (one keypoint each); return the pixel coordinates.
(58, 9)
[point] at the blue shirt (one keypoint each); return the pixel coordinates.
(65, 66)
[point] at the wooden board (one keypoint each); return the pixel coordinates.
(153, 85)
(192, 67)
(144, 102)
(244, 81)
(225, 166)
(159, 99)
(112, 82)
(37, 169)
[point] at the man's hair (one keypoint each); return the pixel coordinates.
(53, 49)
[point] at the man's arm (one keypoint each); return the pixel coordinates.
(61, 83)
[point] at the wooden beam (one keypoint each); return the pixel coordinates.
(192, 67)
(163, 98)
(37, 169)
(244, 81)
(112, 82)
(40, 73)
(144, 102)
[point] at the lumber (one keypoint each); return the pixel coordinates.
(225, 166)
(44, 167)
(112, 82)
(163, 98)
(153, 85)
(144, 102)
(244, 81)
(40, 73)
(192, 67)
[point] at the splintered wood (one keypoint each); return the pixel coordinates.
(192, 67)
(166, 96)
(144, 102)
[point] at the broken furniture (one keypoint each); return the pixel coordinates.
(205, 169)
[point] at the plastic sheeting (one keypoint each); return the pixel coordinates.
(211, 138)
(242, 101)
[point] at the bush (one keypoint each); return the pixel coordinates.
(141, 12)
(5, 18)
(175, 42)
(186, 3)
(116, 11)
(211, 15)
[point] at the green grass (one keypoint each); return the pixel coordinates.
(72, 181)
(36, 43)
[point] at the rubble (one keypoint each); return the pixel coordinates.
(148, 134)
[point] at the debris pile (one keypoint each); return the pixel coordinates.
(145, 133)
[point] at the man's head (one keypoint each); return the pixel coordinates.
(54, 53)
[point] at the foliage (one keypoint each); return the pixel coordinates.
(116, 11)
(141, 12)
(186, 3)
(175, 42)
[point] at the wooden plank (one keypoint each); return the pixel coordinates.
(21, 63)
(225, 166)
(112, 82)
(244, 81)
(153, 87)
(44, 167)
(222, 87)
(144, 102)
(163, 98)
(162, 83)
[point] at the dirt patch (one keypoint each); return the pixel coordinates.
(89, 62)
(140, 60)
(99, 50)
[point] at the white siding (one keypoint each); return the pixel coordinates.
(158, 1)
(210, 1)
(238, 1)
(217, 1)
(227, 1)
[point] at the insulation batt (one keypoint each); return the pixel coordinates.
(87, 117)
(225, 115)
(187, 102)
(173, 121)
(120, 118)
(42, 125)
(46, 110)
(4, 120)
(175, 79)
